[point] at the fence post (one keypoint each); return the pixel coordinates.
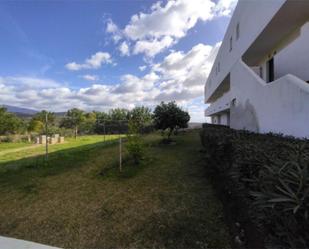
(46, 143)
(120, 154)
(104, 129)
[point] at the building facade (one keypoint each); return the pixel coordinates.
(260, 78)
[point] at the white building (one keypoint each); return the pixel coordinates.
(259, 81)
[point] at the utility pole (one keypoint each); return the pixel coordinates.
(46, 144)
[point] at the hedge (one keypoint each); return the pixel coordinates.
(270, 173)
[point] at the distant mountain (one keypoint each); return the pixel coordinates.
(19, 110)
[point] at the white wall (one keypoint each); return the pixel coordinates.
(221, 104)
(215, 119)
(222, 118)
(225, 119)
(294, 59)
(280, 106)
(252, 17)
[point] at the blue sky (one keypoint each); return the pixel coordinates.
(97, 55)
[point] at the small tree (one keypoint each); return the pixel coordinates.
(135, 145)
(35, 126)
(47, 119)
(41, 116)
(73, 119)
(168, 116)
(9, 123)
(141, 117)
(88, 124)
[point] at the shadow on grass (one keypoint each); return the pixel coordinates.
(129, 169)
(24, 174)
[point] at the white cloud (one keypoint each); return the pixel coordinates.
(132, 83)
(187, 70)
(94, 62)
(164, 24)
(90, 77)
(225, 7)
(174, 19)
(124, 49)
(152, 47)
(113, 29)
(142, 68)
(180, 76)
(26, 82)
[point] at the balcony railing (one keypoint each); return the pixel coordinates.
(221, 104)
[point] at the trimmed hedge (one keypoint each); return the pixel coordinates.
(270, 173)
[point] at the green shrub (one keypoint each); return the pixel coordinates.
(270, 173)
(135, 148)
(218, 147)
(282, 198)
(135, 145)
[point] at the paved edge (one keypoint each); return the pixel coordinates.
(10, 243)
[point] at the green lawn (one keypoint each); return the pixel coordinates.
(166, 202)
(7, 156)
(8, 146)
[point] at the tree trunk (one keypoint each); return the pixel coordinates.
(75, 133)
(169, 133)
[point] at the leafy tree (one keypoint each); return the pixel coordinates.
(41, 116)
(135, 145)
(100, 120)
(141, 117)
(88, 125)
(9, 123)
(46, 118)
(73, 119)
(115, 121)
(36, 126)
(118, 114)
(170, 116)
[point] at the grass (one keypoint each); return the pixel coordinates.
(80, 200)
(9, 146)
(6, 155)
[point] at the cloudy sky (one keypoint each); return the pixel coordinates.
(97, 55)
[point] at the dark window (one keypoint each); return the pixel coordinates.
(234, 102)
(270, 70)
(219, 119)
(261, 72)
(218, 66)
(237, 31)
(231, 43)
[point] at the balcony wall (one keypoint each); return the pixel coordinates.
(221, 104)
(281, 106)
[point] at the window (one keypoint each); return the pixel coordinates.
(261, 72)
(234, 102)
(237, 31)
(231, 43)
(270, 70)
(219, 66)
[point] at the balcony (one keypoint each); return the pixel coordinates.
(221, 104)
